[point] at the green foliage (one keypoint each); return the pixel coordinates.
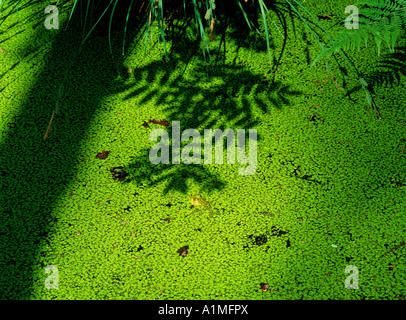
(383, 20)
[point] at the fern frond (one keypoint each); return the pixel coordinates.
(384, 21)
(344, 41)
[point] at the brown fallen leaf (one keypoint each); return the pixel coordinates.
(161, 122)
(2, 50)
(264, 287)
(325, 17)
(183, 251)
(103, 155)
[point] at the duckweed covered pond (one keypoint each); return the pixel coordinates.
(328, 193)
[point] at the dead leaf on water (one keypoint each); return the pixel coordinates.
(264, 287)
(183, 251)
(103, 155)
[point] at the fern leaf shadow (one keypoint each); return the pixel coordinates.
(177, 177)
(388, 71)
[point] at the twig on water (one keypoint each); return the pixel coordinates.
(55, 111)
(49, 126)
